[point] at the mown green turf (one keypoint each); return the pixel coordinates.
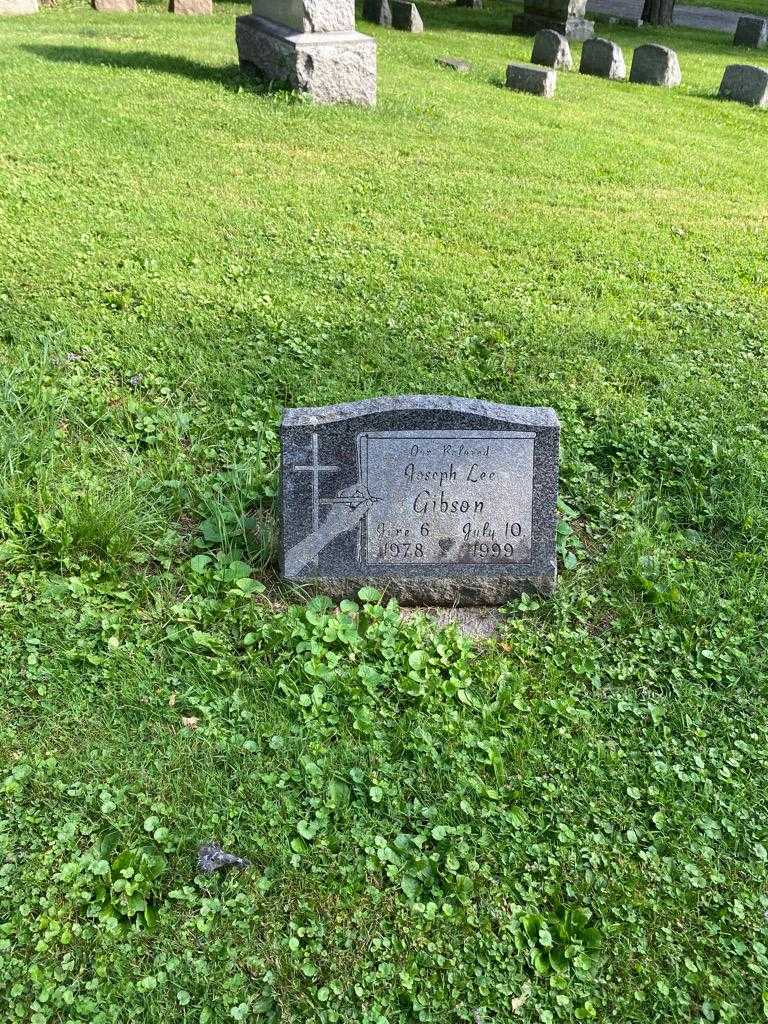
(758, 7)
(568, 823)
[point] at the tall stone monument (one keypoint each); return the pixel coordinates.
(311, 45)
(564, 16)
(436, 500)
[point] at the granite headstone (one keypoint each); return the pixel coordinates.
(435, 500)
(655, 65)
(752, 32)
(603, 58)
(378, 11)
(533, 78)
(552, 50)
(405, 16)
(745, 83)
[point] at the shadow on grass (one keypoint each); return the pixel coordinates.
(230, 77)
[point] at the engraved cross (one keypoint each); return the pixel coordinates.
(315, 469)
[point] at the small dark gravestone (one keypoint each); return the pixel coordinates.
(551, 49)
(437, 501)
(531, 78)
(655, 65)
(602, 58)
(378, 11)
(752, 32)
(406, 16)
(745, 83)
(475, 4)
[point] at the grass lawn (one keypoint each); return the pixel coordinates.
(759, 7)
(569, 822)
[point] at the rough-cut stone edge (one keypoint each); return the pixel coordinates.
(311, 416)
(438, 591)
(332, 67)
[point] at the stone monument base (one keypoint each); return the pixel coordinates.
(333, 67)
(576, 29)
(473, 591)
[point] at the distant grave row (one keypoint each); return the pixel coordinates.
(651, 65)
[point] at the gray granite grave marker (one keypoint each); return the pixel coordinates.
(745, 83)
(752, 32)
(551, 49)
(655, 65)
(602, 58)
(378, 11)
(531, 78)
(406, 16)
(438, 501)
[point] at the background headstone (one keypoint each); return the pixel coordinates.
(541, 81)
(114, 6)
(745, 83)
(476, 4)
(752, 32)
(552, 49)
(655, 65)
(439, 501)
(191, 7)
(18, 7)
(564, 16)
(602, 58)
(378, 11)
(405, 16)
(312, 46)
